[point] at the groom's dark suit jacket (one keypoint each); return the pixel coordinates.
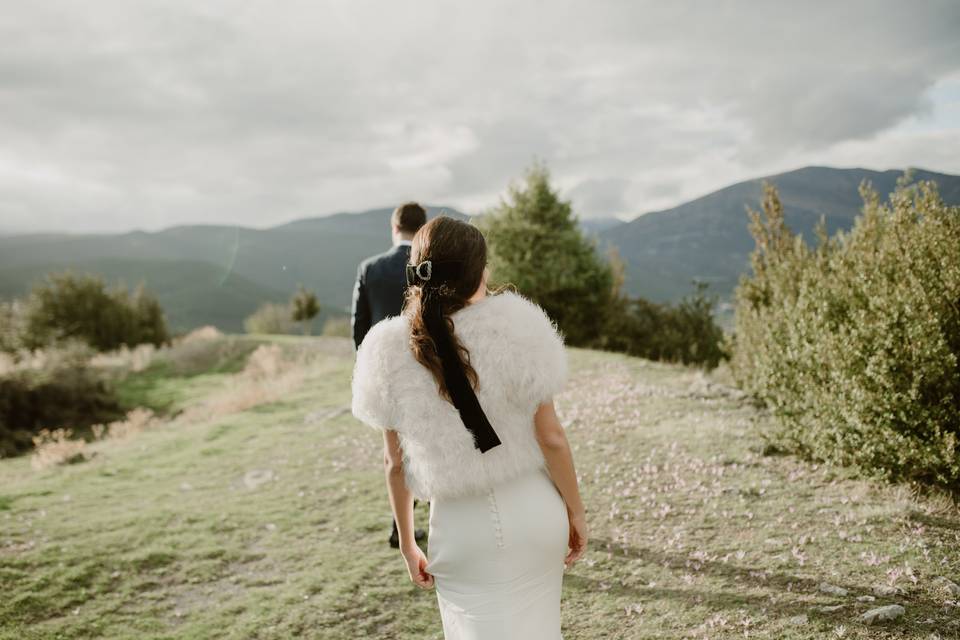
(379, 289)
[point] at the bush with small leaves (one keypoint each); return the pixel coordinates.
(855, 343)
(69, 306)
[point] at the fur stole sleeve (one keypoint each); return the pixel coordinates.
(372, 400)
(542, 358)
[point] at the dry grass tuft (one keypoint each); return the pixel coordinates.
(126, 359)
(52, 448)
(140, 419)
(70, 353)
(266, 361)
(208, 332)
(7, 363)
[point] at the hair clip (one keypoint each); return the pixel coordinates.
(437, 273)
(418, 274)
(429, 266)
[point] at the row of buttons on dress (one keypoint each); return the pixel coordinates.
(495, 516)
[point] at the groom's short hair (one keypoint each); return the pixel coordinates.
(409, 217)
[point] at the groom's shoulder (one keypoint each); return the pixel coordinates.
(391, 254)
(374, 259)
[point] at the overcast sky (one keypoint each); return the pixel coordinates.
(128, 114)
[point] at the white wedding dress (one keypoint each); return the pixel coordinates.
(497, 560)
(498, 525)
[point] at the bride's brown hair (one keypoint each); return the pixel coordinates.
(462, 251)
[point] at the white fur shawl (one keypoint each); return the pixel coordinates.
(520, 361)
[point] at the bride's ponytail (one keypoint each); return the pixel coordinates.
(447, 261)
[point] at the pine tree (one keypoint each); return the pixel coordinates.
(536, 245)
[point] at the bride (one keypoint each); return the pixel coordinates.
(462, 385)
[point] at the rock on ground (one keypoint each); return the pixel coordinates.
(951, 587)
(256, 477)
(799, 620)
(832, 589)
(883, 614)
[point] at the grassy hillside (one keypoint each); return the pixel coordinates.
(258, 510)
(707, 238)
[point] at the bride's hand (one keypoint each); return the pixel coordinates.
(578, 538)
(416, 567)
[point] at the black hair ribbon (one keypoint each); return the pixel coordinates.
(461, 392)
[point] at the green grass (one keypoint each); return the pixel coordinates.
(175, 379)
(272, 523)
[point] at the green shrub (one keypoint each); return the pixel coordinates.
(68, 306)
(12, 325)
(51, 389)
(686, 332)
(271, 318)
(854, 344)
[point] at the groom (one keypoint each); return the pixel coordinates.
(380, 286)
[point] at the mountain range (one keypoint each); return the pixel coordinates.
(219, 274)
(707, 238)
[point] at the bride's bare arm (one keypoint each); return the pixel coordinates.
(401, 500)
(556, 452)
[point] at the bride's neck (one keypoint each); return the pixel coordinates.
(479, 295)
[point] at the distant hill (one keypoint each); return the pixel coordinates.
(707, 238)
(594, 226)
(212, 274)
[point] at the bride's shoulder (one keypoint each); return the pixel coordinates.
(385, 340)
(389, 328)
(379, 358)
(525, 317)
(526, 337)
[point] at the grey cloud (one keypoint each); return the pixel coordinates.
(120, 114)
(599, 198)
